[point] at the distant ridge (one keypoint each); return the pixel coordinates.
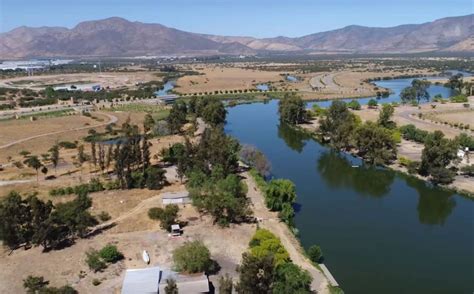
(119, 37)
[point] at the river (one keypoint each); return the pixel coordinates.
(380, 231)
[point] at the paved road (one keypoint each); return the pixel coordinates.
(112, 119)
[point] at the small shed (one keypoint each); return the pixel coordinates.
(181, 197)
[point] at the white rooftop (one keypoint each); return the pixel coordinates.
(141, 281)
(174, 195)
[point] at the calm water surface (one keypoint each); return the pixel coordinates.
(396, 86)
(167, 87)
(381, 231)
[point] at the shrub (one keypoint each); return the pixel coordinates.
(166, 216)
(318, 110)
(413, 167)
(458, 98)
(96, 282)
(67, 145)
(110, 254)
(94, 261)
(104, 216)
(372, 103)
(265, 243)
(192, 257)
(155, 213)
(315, 253)
(441, 175)
(354, 105)
(155, 178)
(468, 170)
(34, 284)
(225, 284)
(410, 132)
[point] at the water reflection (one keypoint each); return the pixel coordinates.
(338, 171)
(434, 205)
(294, 139)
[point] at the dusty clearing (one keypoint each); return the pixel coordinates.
(216, 78)
(432, 118)
(108, 79)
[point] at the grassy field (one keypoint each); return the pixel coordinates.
(158, 112)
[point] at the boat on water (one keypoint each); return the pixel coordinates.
(146, 257)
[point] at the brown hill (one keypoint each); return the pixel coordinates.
(119, 37)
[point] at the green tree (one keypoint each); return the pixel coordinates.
(354, 105)
(417, 91)
(315, 253)
(438, 152)
(385, 117)
(166, 216)
(214, 113)
(456, 82)
(222, 197)
(94, 261)
(292, 109)
(372, 103)
(148, 123)
(192, 257)
(290, 278)
(110, 253)
(34, 284)
(34, 163)
(463, 140)
(278, 192)
(155, 178)
(375, 143)
(75, 215)
(177, 117)
(81, 156)
(215, 149)
(256, 274)
(339, 125)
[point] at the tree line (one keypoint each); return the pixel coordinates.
(26, 221)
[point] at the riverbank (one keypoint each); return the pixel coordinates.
(460, 185)
(269, 220)
(364, 217)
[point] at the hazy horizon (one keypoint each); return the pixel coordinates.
(222, 17)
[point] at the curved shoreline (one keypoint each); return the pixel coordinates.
(395, 167)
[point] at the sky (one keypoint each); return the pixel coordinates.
(258, 18)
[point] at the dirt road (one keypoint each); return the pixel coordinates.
(271, 222)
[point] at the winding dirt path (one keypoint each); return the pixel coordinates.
(112, 119)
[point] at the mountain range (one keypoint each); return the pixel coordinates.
(118, 37)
